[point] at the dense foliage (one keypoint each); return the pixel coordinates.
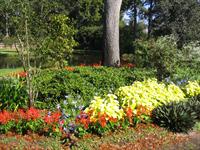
(72, 112)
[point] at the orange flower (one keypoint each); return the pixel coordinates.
(102, 120)
(129, 112)
(111, 119)
(22, 74)
(83, 119)
(69, 68)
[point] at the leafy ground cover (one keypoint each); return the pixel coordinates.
(142, 137)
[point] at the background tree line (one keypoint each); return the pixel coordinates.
(147, 19)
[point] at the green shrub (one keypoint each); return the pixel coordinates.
(84, 82)
(185, 73)
(190, 55)
(177, 117)
(161, 54)
(13, 94)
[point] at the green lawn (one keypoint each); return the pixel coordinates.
(4, 72)
(8, 51)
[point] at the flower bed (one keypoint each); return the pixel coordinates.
(129, 106)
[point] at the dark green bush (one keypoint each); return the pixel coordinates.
(13, 94)
(194, 104)
(177, 117)
(85, 82)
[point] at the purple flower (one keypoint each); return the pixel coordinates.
(49, 113)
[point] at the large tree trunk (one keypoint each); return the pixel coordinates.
(111, 33)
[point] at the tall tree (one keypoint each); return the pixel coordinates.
(179, 17)
(111, 33)
(5, 12)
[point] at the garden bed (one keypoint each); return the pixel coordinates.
(142, 137)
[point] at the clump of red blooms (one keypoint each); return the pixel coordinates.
(84, 119)
(30, 114)
(128, 65)
(21, 74)
(96, 65)
(53, 118)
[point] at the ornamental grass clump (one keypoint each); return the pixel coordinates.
(175, 116)
(149, 94)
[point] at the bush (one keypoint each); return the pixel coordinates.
(185, 73)
(161, 54)
(190, 55)
(84, 82)
(177, 117)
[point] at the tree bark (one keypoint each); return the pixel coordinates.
(111, 33)
(6, 17)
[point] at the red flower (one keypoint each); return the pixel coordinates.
(82, 65)
(129, 112)
(83, 119)
(54, 118)
(129, 65)
(22, 114)
(111, 119)
(22, 74)
(33, 114)
(5, 117)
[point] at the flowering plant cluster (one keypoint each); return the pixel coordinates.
(105, 114)
(33, 120)
(21, 74)
(108, 105)
(128, 65)
(148, 93)
(131, 104)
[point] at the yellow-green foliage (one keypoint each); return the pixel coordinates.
(148, 93)
(108, 105)
(192, 88)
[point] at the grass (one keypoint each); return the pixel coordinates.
(7, 50)
(5, 72)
